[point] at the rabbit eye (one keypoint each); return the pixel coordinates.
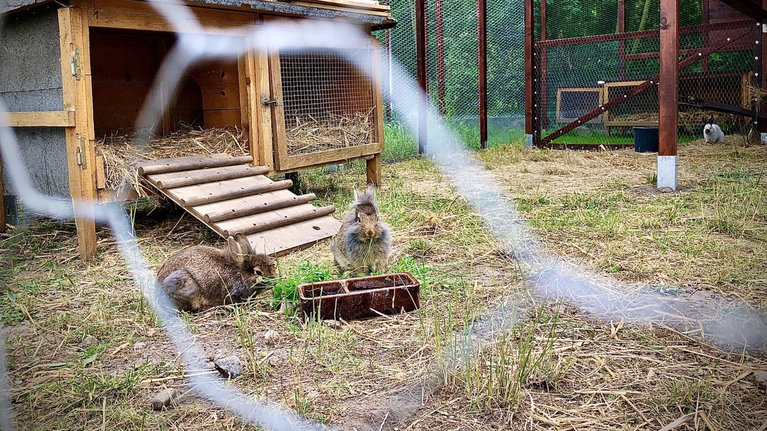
(258, 271)
(358, 218)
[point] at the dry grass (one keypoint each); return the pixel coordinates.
(86, 352)
(690, 117)
(121, 153)
(307, 134)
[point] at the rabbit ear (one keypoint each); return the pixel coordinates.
(244, 243)
(357, 194)
(233, 248)
(371, 191)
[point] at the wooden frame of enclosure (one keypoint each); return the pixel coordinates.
(259, 80)
(745, 78)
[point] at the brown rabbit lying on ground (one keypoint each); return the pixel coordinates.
(363, 243)
(201, 277)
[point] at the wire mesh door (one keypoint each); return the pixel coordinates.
(328, 104)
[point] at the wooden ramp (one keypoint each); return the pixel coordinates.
(229, 196)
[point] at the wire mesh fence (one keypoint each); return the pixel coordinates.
(586, 54)
(452, 64)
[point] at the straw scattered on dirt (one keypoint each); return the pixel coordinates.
(686, 118)
(121, 152)
(310, 134)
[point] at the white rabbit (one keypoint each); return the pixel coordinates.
(712, 132)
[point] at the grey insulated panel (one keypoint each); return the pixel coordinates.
(44, 151)
(30, 70)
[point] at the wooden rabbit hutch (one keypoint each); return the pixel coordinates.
(80, 71)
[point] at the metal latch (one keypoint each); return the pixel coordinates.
(82, 159)
(267, 101)
(74, 62)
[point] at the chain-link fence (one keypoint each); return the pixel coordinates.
(586, 55)
(452, 64)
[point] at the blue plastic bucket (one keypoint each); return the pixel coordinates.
(645, 139)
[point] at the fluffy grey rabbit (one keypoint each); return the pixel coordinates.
(363, 243)
(712, 132)
(201, 277)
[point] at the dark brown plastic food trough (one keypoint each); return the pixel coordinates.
(357, 298)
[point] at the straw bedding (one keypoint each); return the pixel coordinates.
(308, 134)
(121, 153)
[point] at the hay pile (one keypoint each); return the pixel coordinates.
(686, 118)
(121, 153)
(308, 134)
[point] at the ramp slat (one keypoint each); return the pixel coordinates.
(273, 219)
(161, 166)
(208, 175)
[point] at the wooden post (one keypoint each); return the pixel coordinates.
(420, 36)
(77, 95)
(544, 119)
(374, 170)
(529, 74)
(668, 86)
(762, 125)
(704, 18)
(374, 164)
(482, 75)
(2, 198)
(440, 57)
(622, 43)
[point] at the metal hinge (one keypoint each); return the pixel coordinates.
(82, 159)
(74, 62)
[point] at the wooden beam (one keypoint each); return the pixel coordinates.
(529, 70)
(2, 197)
(373, 168)
(276, 102)
(374, 164)
(762, 125)
(440, 57)
(321, 158)
(423, 103)
(41, 119)
(74, 45)
(668, 84)
(262, 115)
(482, 70)
(622, 43)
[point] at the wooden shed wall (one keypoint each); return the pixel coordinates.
(30, 80)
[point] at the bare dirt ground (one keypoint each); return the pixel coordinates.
(85, 351)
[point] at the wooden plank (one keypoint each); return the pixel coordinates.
(421, 63)
(229, 189)
(273, 219)
(377, 88)
(220, 118)
(101, 178)
(208, 175)
(339, 155)
(162, 166)
(668, 84)
(243, 93)
(278, 112)
(284, 240)
(153, 22)
(42, 119)
(2, 198)
(348, 4)
(80, 153)
(529, 68)
(343, 9)
(249, 205)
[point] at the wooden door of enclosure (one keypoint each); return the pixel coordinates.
(327, 105)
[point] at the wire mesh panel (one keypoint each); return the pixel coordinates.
(328, 101)
(571, 70)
